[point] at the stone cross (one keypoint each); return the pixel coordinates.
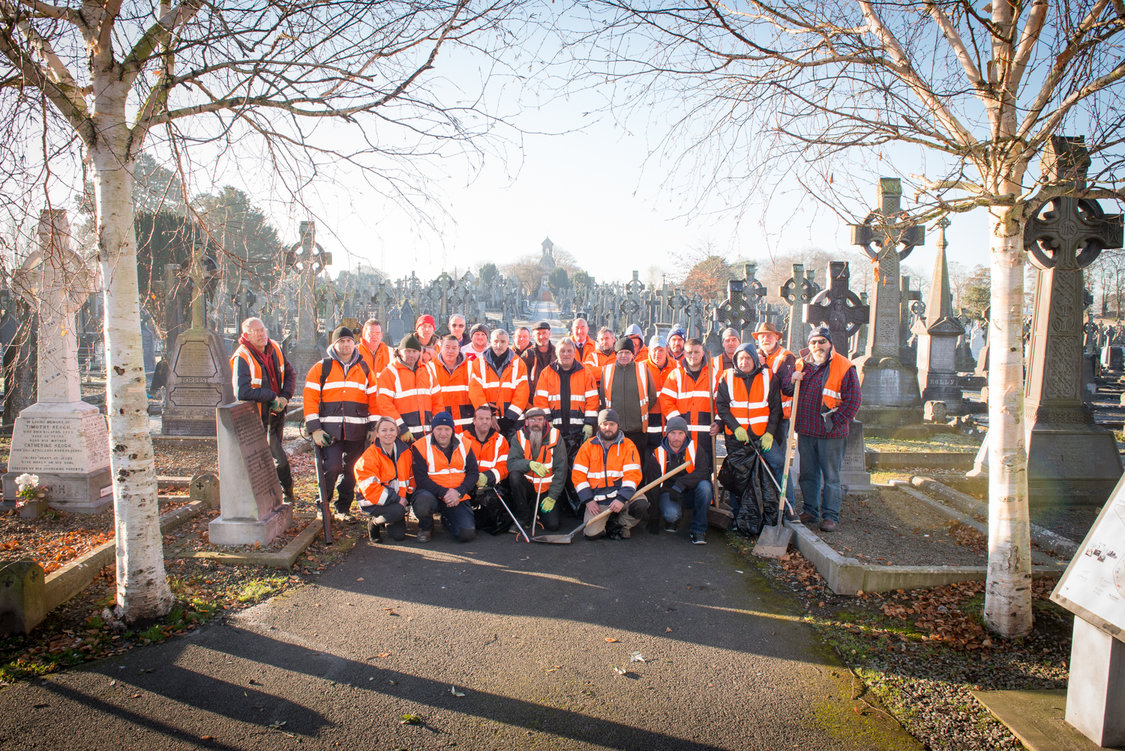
(736, 311)
(880, 236)
(1068, 456)
(631, 304)
(797, 291)
(55, 281)
(837, 307)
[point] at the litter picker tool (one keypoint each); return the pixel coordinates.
(566, 539)
(535, 516)
(514, 520)
(325, 512)
(774, 540)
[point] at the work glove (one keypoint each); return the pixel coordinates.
(740, 434)
(829, 424)
(320, 438)
(547, 506)
(482, 480)
(274, 408)
(538, 468)
(587, 431)
(767, 442)
(407, 437)
(279, 404)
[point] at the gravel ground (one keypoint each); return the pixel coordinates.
(890, 527)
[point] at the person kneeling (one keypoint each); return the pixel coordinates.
(607, 471)
(692, 487)
(537, 470)
(445, 471)
(382, 477)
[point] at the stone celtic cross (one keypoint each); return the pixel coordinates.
(736, 311)
(798, 291)
(837, 307)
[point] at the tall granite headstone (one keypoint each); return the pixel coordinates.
(249, 492)
(890, 386)
(938, 335)
(60, 438)
(308, 258)
(1070, 460)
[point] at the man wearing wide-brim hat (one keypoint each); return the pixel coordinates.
(780, 362)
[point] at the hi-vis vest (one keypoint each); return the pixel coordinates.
(583, 404)
(407, 396)
(751, 410)
(691, 398)
(492, 455)
(448, 473)
(546, 456)
(838, 367)
(338, 402)
(508, 391)
(243, 353)
(381, 478)
(774, 364)
(642, 392)
(662, 455)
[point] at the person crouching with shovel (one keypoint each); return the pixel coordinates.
(606, 474)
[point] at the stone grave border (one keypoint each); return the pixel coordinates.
(886, 460)
(284, 558)
(849, 576)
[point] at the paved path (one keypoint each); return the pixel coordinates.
(531, 634)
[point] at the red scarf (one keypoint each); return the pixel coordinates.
(269, 365)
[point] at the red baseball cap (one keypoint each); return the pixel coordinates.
(425, 318)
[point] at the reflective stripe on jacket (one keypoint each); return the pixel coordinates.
(691, 398)
(545, 456)
(407, 396)
(381, 478)
(346, 404)
(492, 455)
(604, 473)
(774, 363)
(448, 473)
(583, 403)
(642, 392)
(507, 392)
(451, 392)
(750, 409)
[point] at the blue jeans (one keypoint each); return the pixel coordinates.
(821, 459)
(459, 519)
(671, 508)
(775, 458)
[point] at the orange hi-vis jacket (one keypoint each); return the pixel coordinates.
(721, 363)
(407, 396)
(606, 473)
(583, 404)
(383, 478)
(451, 391)
(376, 360)
(837, 368)
(546, 456)
(581, 353)
(774, 364)
(508, 392)
(751, 410)
(255, 368)
(691, 398)
(659, 377)
(661, 455)
(346, 405)
(448, 473)
(642, 393)
(597, 361)
(492, 454)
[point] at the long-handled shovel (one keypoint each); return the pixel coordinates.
(774, 541)
(718, 517)
(566, 539)
(325, 512)
(535, 516)
(514, 520)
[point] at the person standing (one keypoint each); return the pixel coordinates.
(580, 335)
(449, 373)
(425, 328)
(478, 342)
(340, 407)
(372, 348)
(383, 477)
(445, 472)
(690, 489)
(689, 392)
(499, 380)
(780, 362)
(539, 355)
(660, 366)
(606, 474)
(603, 353)
(724, 361)
(628, 388)
(677, 340)
(829, 399)
(456, 325)
(523, 340)
(537, 471)
(262, 375)
(406, 391)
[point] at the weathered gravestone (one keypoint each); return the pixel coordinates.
(1093, 588)
(249, 491)
(23, 598)
(798, 291)
(60, 438)
(890, 386)
(841, 311)
(308, 258)
(938, 335)
(1070, 460)
(199, 377)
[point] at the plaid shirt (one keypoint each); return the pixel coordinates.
(810, 407)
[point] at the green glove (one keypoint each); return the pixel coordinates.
(274, 406)
(740, 434)
(482, 480)
(538, 468)
(587, 431)
(320, 438)
(547, 505)
(767, 442)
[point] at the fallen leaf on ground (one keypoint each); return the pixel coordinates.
(453, 690)
(612, 640)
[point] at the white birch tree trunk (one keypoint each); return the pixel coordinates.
(1007, 607)
(142, 585)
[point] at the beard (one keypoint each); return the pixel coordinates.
(608, 435)
(820, 356)
(535, 437)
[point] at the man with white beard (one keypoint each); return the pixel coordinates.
(829, 399)
(537, 470)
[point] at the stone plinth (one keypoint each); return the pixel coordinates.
(67, 445)
(199, 380)
(23, 599)
(853, 474)
(1095, 694)
(249, 490)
